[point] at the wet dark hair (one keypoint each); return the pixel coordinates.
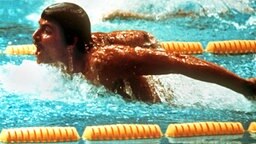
(74, 22)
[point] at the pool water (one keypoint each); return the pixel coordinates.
(41, 95)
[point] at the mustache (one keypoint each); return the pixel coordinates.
(37, 44)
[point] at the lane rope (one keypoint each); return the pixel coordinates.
(197, 130)
(28, 49)
(183, 47)
(39, 134)
(215, 47)
(232, 47)
(204, 129)
(122, 132)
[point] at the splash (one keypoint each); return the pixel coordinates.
(47, 83)
(97, 9)
(188, 92)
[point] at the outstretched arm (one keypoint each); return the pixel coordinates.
(117, 61)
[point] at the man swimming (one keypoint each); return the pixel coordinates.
(119, 60)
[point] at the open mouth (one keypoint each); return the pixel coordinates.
(38, 49)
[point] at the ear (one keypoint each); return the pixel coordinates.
(74, 42)
(71, 39)
(71, 45)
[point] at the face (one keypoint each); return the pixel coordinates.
(49, 40)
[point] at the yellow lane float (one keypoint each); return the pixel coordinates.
(175, 132)
(39, 134)
(204, 129)
(122, 132)
(172, 47)
(232, 47)
(252, 127)
(28, 49)
(216, 47)
(183, 47)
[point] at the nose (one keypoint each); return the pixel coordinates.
(36, 35)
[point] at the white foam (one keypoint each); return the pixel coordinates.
(46, 82)
(251, 20)
(189, 92)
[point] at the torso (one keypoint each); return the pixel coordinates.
(132, 86)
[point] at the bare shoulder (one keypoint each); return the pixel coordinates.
(101, 55)
(131, 38)
(108, 62)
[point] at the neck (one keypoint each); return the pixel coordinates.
(76, 63)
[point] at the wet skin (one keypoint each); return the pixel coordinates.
(48, 39)
(124, 57)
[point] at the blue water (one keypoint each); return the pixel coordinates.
(40, 95)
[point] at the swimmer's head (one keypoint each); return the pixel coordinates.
(73, 21)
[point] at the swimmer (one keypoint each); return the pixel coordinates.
(126, 15)
(119, 60)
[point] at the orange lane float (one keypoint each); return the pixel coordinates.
(179, 132)
(39, 134)
(204, 129)
(122, 132)
(182, 47)
(232, 47)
